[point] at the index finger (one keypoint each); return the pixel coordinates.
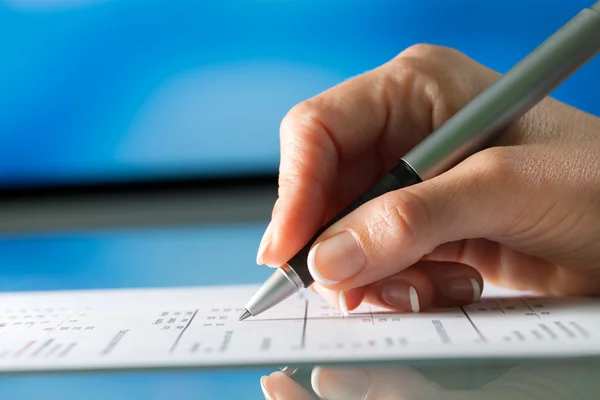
(321, 137)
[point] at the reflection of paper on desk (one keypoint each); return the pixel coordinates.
(198, 327)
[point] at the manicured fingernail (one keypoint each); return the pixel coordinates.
(340, 383)
(264, 243)
(261, 251)
(463, 289)
(336, 259)
(343, 303)
(263, 386)
(414, 299)
(401, 295)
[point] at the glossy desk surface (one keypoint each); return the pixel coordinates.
(206, 255)
(133, 258)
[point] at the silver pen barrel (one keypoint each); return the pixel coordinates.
(510, 96)
(283, 283)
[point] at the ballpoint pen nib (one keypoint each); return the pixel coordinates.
(245, 314)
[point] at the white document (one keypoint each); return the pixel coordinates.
(199, 327)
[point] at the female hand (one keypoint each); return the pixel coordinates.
(523, 214)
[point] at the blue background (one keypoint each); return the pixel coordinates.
(126, 89)
(121, 89)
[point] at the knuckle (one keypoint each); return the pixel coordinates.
(292, 118)
(295, 176)
(424, 50)
(302, 114)
(400, 75)
(504, 190)
(289, 180)
(305, 144)
(493, 162)
(403, 216)
(303, 125)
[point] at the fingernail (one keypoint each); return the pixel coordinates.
(414, 299)
(340, 383)
(264, 243)
(263, 386)
(343, 303)
(463, 289)
(401, 295)
(336, 259)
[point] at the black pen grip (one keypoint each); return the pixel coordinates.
(401, 176)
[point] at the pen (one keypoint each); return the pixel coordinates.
(468, 131)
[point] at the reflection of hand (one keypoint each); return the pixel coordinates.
(523, 214)
(567, 380)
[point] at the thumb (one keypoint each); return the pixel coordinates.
(478, 198)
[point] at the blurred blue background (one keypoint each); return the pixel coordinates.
(96, 90)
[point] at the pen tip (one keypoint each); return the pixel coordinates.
(245, 314)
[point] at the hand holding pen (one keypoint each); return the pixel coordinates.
(522, 213)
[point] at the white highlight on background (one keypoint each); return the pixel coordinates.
(46, 5)
(220, 112)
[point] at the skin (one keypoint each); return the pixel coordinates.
(522, 214)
